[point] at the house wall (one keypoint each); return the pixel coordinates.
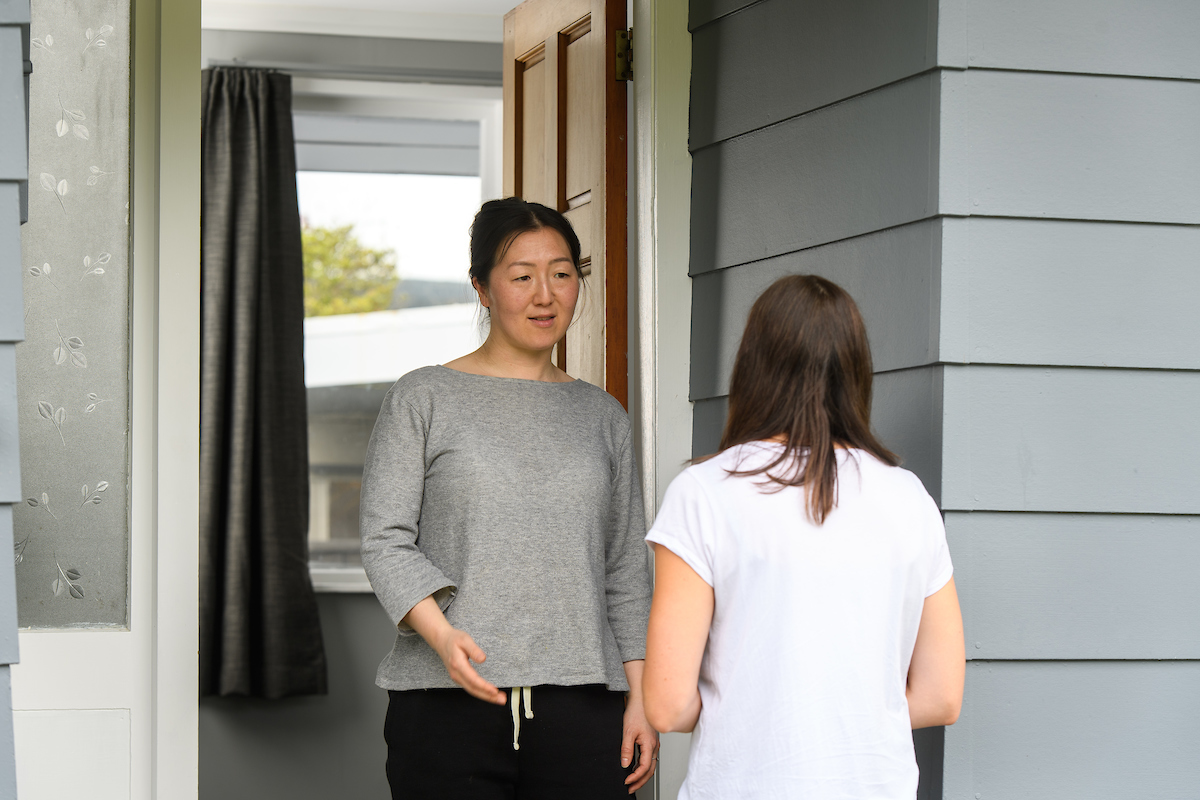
(1011, 191)
(14, 44)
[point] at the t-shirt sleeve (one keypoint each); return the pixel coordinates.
(686, 525)
(389, 510)
(940, 567)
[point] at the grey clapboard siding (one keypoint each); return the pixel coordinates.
(1077, 586)
(702, 12)
(775, 60)
(906, 415)
(13, 158)
(1030, 144)
(708, 420)
(1101, 730)
(1089, 440)
(842, 171)
(1155, 38)
(12, 312)
(892, 275)
(1078, 293)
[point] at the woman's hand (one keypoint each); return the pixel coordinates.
(637, 731)
(456, 649)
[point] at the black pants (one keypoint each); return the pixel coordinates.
(445, 744)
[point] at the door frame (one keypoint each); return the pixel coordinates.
(150, 670)
(661, 289)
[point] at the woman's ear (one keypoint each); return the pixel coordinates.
(481, 291)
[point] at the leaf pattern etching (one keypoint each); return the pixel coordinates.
(66, 580)
(19, 550)
(43, 503)
(96, 175)
(93, 497)
(59, 189)
(44, 43)
(58, 417)
(43, 272)
(93, 401)
(96, 268)
(95, 38)
(69, 347)
(70, 121)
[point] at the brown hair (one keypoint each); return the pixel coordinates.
(803, 372)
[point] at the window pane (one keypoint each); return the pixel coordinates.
(364, 328)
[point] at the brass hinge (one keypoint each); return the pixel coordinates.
(624, 55)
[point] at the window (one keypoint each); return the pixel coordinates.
(386, 204)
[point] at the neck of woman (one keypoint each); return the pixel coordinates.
(500, 359)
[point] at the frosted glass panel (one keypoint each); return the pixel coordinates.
(71, 534)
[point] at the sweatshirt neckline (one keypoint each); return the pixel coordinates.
(444, 368)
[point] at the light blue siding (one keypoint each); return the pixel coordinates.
(773, 61)
(852, 168)
(893, 275)
(1153, 38)
(1074, 146)
(1017, 218)
(1100, 730)
(1078, 586)
(1054, 292)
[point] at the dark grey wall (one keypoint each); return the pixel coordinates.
(14, 51)
(308, 748)
(1011, 191)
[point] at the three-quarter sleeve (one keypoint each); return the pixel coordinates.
(627, 575)
(390, 507)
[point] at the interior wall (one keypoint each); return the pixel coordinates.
(308, 748)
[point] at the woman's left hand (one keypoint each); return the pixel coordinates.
(639, 732)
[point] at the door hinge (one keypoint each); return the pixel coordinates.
(624, 55)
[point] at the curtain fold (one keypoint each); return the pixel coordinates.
(259, 630)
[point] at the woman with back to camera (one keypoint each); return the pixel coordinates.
(502, 525)
(804, 617)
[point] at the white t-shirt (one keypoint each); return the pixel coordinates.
(803, 677)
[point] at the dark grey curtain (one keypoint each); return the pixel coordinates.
(259, 631)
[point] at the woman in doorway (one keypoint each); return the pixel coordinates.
(804, 617)
(502, 531)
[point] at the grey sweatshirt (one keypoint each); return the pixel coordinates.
(516, 504)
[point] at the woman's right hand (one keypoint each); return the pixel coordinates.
(456, 649)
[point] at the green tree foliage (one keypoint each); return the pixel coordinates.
(341, 276)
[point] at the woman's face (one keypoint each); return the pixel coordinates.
(532, 291)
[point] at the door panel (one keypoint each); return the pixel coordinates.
(565, 146)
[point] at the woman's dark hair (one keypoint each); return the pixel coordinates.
(499, 222)
(803, 372)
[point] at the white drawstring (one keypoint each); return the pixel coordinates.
(517, 693)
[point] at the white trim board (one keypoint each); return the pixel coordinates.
(662, 195)
(340, 21)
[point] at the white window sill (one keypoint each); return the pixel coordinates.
(337, 579)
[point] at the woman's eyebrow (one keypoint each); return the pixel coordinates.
(532, 264)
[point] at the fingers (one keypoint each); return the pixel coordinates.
(648, 745)
(463, 652)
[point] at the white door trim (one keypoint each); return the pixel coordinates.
(662, 192)
(146, 677)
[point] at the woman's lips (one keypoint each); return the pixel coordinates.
(543, 322)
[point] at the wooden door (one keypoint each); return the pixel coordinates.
(565, 146)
